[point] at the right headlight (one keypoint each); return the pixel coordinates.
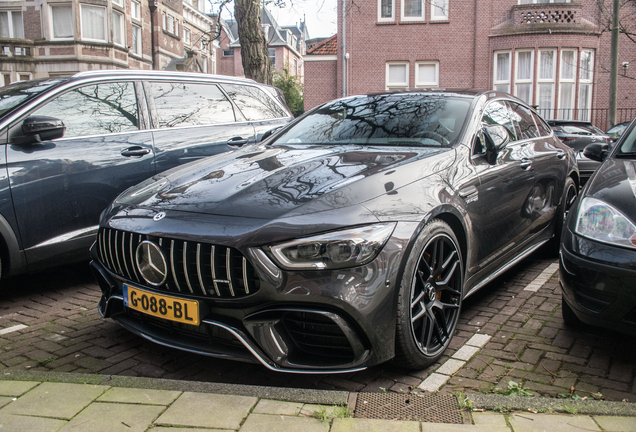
(600, 221)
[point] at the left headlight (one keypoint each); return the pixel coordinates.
(600, 221)
(339, 249)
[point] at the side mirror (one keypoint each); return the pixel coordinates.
(496, 136)
(43, 128)
(270, 132)
(596, 151)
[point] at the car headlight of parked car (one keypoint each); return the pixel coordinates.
(601, 222)
(339, 249)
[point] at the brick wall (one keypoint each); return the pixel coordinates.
(320, 85)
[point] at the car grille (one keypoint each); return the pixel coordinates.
(317, 335)
(194, 268)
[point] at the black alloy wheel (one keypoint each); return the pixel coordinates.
(434, 299)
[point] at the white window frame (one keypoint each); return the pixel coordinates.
(10, 19)
(51, 23)
(401, 85)
(417, 74)
(138, 49)
(164, 20)
(3, 77)
(24, 74)
(122, 27)
(562, 115)
(204, 64)
(386, 19)
(546, 81)
(170, 24)
(435, 9)
(187, 36)
(135, 10)
(118, 2)
(524, 81)
(420, 18)
(496, 82)
(588, 82)
(105, 39)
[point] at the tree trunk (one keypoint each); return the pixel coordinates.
(254, 51)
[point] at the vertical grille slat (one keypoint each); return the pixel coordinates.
(212, 259)
(229, 275)
(173, 267)
(199, 274)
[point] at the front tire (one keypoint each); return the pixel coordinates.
(430, 297)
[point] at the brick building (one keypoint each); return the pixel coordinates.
(553, 54)
(286, 46)
(55, 37)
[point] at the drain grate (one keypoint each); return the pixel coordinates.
(427, 407)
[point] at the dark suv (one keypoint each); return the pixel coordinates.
(72, 144)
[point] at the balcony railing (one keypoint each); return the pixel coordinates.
(543, 16)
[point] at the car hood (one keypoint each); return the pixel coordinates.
(270, 182)
(615, 183)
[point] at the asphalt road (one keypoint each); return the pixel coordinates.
(49, 321)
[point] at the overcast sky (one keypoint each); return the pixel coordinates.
(320, 15)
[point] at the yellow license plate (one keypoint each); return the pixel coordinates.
(161, 306)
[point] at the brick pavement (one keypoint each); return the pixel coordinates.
(61, 330)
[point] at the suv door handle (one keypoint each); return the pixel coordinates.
(561, 154)
(525, 164)
(236, 142)
(135, 151)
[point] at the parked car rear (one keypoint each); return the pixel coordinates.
(578, 134)
(72, 144)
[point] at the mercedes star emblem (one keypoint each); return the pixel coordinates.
(159, 216)
(151, 263)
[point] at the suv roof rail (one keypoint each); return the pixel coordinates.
(158, 73)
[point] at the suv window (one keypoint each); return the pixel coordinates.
(253, 102)
(95, 109)
(497, 112)
(544, 129)
(522, 116)
(190, 104)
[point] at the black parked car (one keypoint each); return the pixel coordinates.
(578, 134)
(70, 145)
(598, 252)
(348, 238)
(616, 131)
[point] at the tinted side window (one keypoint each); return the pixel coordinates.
(253, 102)
(498, 113)
(522, 117)
(95, 109)
(544, 129)
(190, 104)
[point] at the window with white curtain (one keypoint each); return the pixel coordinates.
(521, 2)
(439, 9)
(62, 21)
(11, 24)
(501, 68)
(119, 37)
(93, 23)
(170, 28)
(524, 71)
(545, 82)
(585, 84)
(187, 36)
(427, 74)
(136, 40)
(412, 10)
(135, 10)
(397, 75)
(118, 2)
(567, 82)
(386, 10)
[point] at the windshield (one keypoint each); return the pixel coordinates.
(629, 145)
(414, 119)
(15, 94)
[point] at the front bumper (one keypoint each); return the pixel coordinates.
(306, 322)
(600, 292)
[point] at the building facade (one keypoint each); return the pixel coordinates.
(58, 37)
(554, 54)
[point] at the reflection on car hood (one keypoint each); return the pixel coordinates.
(270, 182)
(615, 183)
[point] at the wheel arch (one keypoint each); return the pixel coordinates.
(13, 258)
(454, 221)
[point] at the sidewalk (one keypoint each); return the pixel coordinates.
(98, 403)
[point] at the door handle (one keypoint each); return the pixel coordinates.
(525, 164)
(561, 154)
(236, 142)
(135, 151)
